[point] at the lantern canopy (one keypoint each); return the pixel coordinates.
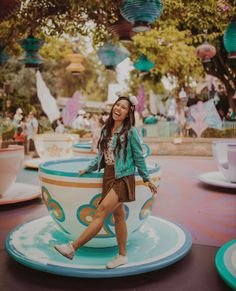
(31, 46)
(3, 56)
(123, 29)
(143, 64)
(205, 51)
(230, 39)
(141, 13)
(111, 55)
(75, 67)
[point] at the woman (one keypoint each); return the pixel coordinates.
(119, 152)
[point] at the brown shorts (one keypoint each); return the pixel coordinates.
(124, 187)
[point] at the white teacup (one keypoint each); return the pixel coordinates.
(11, 159)
(55, 145)
(225, 155)
(72, 200)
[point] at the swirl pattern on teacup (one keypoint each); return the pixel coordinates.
(54, 208)
(86, 212)
(146, 209)
(55, 151)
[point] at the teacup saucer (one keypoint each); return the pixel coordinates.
(33, 163)
(157, 244)
(226, 263)
(216, 179)
(20, 192)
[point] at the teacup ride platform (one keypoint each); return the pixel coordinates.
(33, 164)
(153, 242)
(225, 261)
(20, 192)
(11, 159)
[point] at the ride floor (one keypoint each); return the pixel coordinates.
(207, 212)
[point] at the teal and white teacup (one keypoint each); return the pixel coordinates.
(72, 200)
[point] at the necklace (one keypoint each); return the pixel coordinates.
(114, 130)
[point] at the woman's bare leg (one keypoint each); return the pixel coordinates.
(120, 228)
(108, 204)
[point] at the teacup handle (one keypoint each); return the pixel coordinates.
(146, 150)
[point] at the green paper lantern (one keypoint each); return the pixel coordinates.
(143, 64)
(31, 46)
(111, 55)
(230, 39)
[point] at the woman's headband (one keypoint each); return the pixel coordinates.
(132, 99)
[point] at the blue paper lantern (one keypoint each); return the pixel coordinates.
(3, 56)
(143, 64)
(31, 46)
(230, 39)
(141, 13)
(111, 55)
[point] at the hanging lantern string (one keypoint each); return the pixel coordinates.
(206, 34)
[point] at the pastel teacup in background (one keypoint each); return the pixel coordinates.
(11, 160)
(224, 153)
(55, 145)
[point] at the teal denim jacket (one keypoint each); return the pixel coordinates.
(134, 157)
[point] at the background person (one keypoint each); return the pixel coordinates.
(60, 128)
(31, 131)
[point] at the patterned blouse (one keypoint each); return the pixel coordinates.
(109, 155)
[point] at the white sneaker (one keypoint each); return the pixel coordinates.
(117, 261)
(66, 250)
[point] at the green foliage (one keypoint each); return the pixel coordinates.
(22, 80)
(93, 82)
(216, 133)
(168, 48)
(56, 18)
(171, 44)
(7, 132)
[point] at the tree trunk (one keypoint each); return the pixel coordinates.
(224, 69)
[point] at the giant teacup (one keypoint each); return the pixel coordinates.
(55, 145)
(11, 159)
(224, 153)
(72, 200)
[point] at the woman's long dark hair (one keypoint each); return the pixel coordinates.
(107, 129)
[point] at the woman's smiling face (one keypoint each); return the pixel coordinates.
(120, 110)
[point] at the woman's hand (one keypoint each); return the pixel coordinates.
(82, 172)
(153, 188)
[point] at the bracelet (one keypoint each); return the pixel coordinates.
(147, 183)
